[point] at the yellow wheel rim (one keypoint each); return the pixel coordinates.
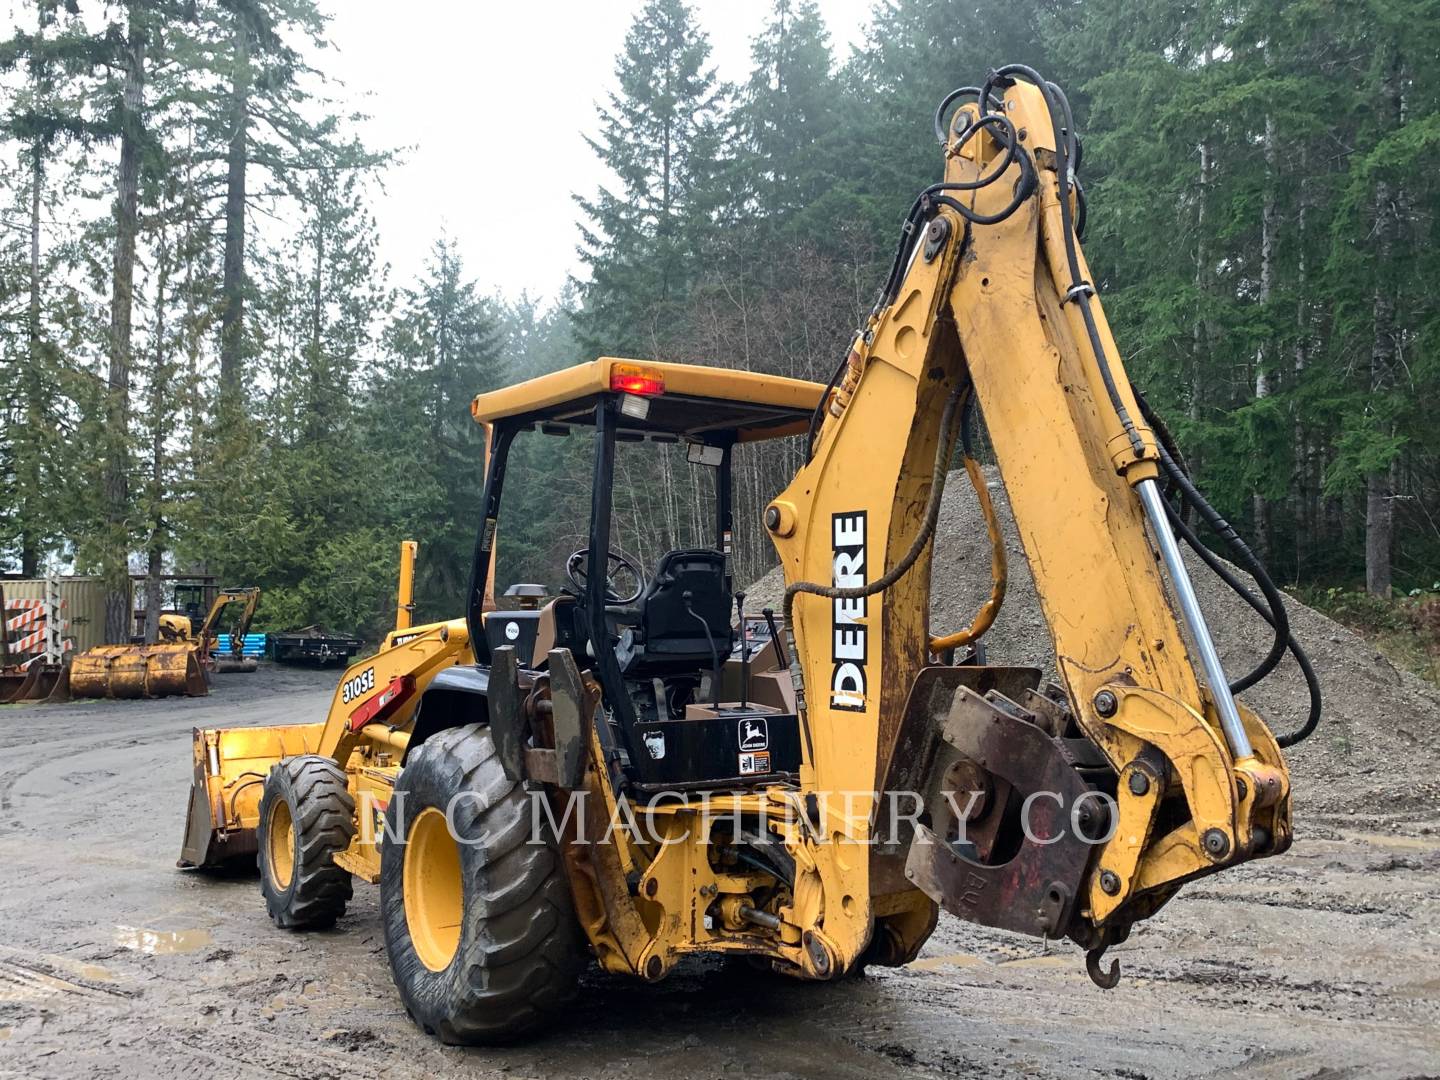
(280, 844)
(434, 895)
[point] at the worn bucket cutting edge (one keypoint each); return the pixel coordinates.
(138, 671)
(230, 766)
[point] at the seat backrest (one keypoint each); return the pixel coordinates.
(689, 585)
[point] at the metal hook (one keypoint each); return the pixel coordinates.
(1106, 980)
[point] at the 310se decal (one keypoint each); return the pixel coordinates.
(847, 679)
(363, 683)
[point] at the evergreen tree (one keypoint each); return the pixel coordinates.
(660, 136)
(42, 117)
(117, 454)
(788, 116)
(264, 119)
(316, 317)
(547, 500)
(442, 349)
(916, 52)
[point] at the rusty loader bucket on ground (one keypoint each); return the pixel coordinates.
(36, 681)
(139, 671)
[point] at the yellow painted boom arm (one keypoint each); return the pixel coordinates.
(983, 309)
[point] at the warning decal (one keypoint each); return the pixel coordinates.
(754, 764)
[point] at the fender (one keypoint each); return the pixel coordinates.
(457, 696)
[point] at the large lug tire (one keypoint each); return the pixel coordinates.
(307, 816)
(481, 934)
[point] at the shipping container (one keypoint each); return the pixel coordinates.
(84, 605)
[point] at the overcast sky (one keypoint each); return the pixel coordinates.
(492, 98)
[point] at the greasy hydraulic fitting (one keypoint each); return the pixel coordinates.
(846, 390)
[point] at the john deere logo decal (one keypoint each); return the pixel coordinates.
(753, 735)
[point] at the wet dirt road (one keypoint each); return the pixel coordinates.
(1325, 962)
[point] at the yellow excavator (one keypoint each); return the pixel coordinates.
(637, 770)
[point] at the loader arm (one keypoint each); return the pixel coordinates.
(373, 708)
(987, 306)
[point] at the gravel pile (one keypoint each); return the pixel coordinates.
(1376, 754)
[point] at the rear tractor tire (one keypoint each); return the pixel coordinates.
(480, 930)
(307, 815)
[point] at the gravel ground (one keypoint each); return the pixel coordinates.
(1324, 962)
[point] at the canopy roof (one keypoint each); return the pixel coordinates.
(697, 401)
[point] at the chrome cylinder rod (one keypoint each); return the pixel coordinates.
(1234, 729)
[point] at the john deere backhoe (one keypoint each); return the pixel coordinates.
(628, 775)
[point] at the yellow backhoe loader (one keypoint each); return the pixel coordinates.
(179, 661)
(634, 772)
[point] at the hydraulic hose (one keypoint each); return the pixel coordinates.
(999, 574)
(1312, 682)
(1080, 290)
(923, 207)
(1279, 619)
(817, 417)
(1003, 131)
(1166, 439)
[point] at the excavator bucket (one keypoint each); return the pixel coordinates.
(138, 671)
(230, 766)
(35, 682)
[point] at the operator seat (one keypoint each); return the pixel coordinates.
(668, 637)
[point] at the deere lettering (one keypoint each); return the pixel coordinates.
(848, 630)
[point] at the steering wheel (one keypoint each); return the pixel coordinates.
(575, 570)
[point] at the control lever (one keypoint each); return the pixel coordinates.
(780, 653)
(686, 597)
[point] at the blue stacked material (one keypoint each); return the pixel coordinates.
(254, 645)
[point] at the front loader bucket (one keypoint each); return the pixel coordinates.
(35, 682)
(136, 671)
(12, 681)
(230, 766)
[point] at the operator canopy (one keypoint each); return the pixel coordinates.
(670, 401)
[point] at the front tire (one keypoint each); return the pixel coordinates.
(307, 816)
(481, 933)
